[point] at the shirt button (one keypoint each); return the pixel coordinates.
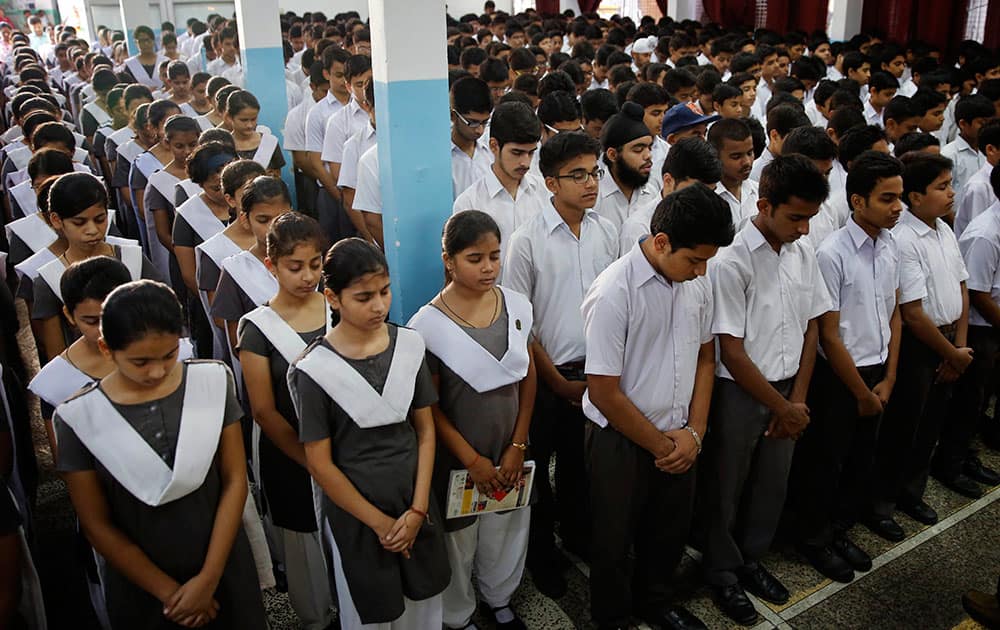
(159, 435)
(153, 407)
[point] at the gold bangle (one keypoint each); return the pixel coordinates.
(521, 446)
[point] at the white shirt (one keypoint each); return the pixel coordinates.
(342, 125)
(758, 165)
(488, 195)
(368, 195)
(873, 117)
(295, 125)
(647, 331)
(316, 121)
(218, 65)
(635, 227)
(763, 96)
(744, 208)
(660, 149)
(833, 215)
(598, 85)
(612, 204)
(907, 88)
(356, 146)
(767, 298)
(465, 170)
(976, 196)
(554, 269)
(931, 268)
(815, 117)
(862, 276)
(980, 247)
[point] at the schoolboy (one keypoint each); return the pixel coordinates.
(733, 142)
(971, 113)
(978, 194)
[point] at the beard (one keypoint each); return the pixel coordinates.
(629, 176)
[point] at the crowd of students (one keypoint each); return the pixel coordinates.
(713, 278)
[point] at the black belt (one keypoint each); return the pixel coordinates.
(573, 371)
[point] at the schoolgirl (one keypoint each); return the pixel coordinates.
(270, 337)
(145, 66)
(478, 337)
(78, 204)
(144, 166)
(242, 109)
(185, 189)
(154, 464)
(363, 395)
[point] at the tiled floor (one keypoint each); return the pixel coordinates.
(916, 584)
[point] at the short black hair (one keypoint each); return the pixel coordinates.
(472, 56)
(989, 134)
(136, 309)
(470, 94)
(558, 107)
(901, 108)
(824, 90)
(92, 279)
(788, 176)
(811, 142)
(598, 104)
(866, 171)
(694, 216)
(564, 147)
(556, 81)
(920, 170)
(494, 70)
(723, 92)
(974, 106)
(853, 61)
(693, 158)
(784, 118)
(914, 141)
(728, 129)
(648, 94)
(678, 79)
(883, 81)
(995, 180)
(515, 122)
(845, 99)
(857, 140)
(757, 133)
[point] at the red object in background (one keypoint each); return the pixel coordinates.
(939, 23)
(731, 13)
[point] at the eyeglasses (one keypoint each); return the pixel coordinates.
(554, 130)
(581, 176)
(471, 124)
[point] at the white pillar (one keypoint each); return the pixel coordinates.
(572, 5)
(414, 144)
(845, 21)
(135, 13)
(682, 9)
(263, 61)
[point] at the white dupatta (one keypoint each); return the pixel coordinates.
(285, 339)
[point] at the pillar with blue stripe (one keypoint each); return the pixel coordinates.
(135, 13)
(410, 69)
(263, 60)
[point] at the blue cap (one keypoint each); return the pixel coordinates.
(681, 116)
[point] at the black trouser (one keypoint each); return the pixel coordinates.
(910, 428)
(968, 402)
(557, 429)
(305, 193)
(833, 460)
(744, 478)
(635, 506)
(332, 217)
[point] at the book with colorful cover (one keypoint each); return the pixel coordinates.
(465, 499)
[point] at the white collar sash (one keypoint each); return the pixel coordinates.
(355, 395)
(33, 231)
(265, 150)
(252, 276)
(102, 117)
(285, 339)
(26, 198)
(200, 217)
(129, 255)
(132, 461)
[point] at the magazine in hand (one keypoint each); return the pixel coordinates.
(464, 498)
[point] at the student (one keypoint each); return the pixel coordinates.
(881, 89)
(483, 415)
(270, 337)
(980, 246)
(646, 426)
(733, 144)
(215, 117)
(932, 104)
(78, 205)
(655, 103)
(815, 144)
(471, 108)
(768, 293)
(242, 109)
(28, 232)
(553, 259)
(688, 162)
(144, 165)
(627, 153)
(917, 141)
(180, 134)
(175, 547)
(295, 139)
(509, 193)
(245, 282)
(857, 67)
(971, 113)
(185, 189)
(780, 122)
(934, 306)
(334, 60)
(372, 454)
(747, 85)
(179, 82)
(855, 372)
(726, 101)
(144, 67)
(597, 106)
(96, 113)
(979, 194)
(350, 119)
(900, 117)
(768, 56)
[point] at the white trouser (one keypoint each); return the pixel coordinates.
(308, 585)
(422, 615)
(496, 545)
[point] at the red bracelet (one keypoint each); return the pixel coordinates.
(419, 513)
(473, 463)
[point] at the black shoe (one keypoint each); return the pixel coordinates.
(734, 603)
(514, 623)
(982, 607)
(962, 485)
(549, 581)
(974, 469)
(828, 562)
(761, 583)
(854, 555)
(673, 618)
(887, 528)
(919, 511)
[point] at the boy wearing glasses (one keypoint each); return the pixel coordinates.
(553, 259)
(471, 108)
(628, 158)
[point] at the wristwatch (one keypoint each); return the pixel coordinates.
(694, 434)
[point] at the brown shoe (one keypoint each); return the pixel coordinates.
(982, 607)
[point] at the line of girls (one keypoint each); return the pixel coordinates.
(349, 409)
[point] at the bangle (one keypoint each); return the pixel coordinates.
(473, 462)
(419, 513)
(521, 446)
(694, 434)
